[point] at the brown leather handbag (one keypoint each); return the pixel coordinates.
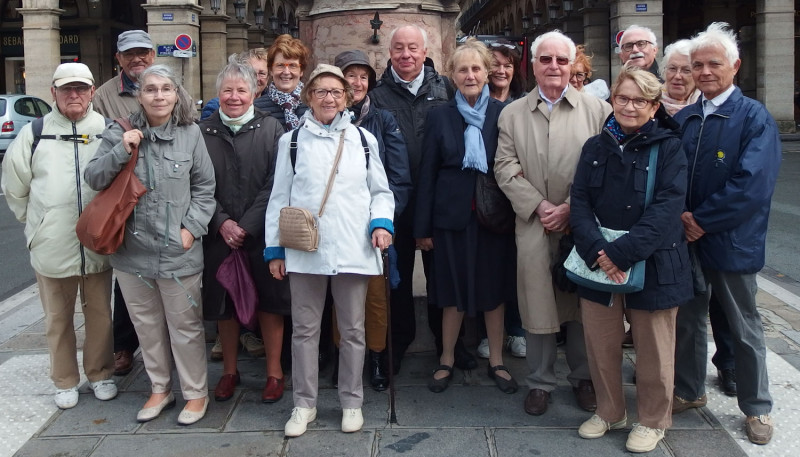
(101, 225)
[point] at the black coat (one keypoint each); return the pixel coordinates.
(244, 167)
(445, 190)
(611, 184)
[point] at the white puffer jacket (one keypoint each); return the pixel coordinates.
(43, 192)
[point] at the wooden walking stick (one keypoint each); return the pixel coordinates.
(388, 286)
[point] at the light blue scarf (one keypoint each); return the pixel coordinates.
(475, 151)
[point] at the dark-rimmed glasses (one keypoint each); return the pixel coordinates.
(83, 89)
(151, 91)
(322, 93)
(546, 60)
(638, 103)
(641, 44)
(136, 52)
(579, 76)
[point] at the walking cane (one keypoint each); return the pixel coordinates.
(388, 286)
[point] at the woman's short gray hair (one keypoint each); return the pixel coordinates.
(718, 34)
(678, 48)
(644, 80)
(238, 67)
(183, 113)
(557, 35)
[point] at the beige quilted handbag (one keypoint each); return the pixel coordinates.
(297, 227)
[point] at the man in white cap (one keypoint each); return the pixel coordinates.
(116, 99)
(43, 183)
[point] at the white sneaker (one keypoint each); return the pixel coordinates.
(67, 398)
(352, 420)
(299, 421)
(483, 349)
(516, 346)
(104, 390)
(643, 439)
(596, 427)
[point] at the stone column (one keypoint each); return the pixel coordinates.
(40, 34)
(255, 38)
(623, 13)
(775, 60)
(598, 39)
(237, 37)
(166, 19)
(213, 50)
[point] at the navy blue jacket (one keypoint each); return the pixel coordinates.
(734, 156)
(445, 192)
(611, 184)
(263, 103)
(393, 153)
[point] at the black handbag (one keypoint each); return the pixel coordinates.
(492, 207)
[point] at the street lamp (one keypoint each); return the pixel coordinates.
(215, 5)
(284, 28)
(94, 3)
(553, 10)
(526, 23)
(376, 23)
(295, 30)
(567, 6)
(258, 13)
(507, 31)
(274, 24)
(536, 22)
(238, 8)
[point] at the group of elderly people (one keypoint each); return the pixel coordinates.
(566, 163)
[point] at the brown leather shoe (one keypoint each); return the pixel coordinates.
(680, 405)
(536, 402)
(759, 429)
(123, 362)
(273, 390)
(226, 386)
(585, 395)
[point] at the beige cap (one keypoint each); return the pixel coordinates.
(72, 72)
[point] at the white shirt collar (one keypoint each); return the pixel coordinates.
(413, 85)
(711, 106)
(550, 104)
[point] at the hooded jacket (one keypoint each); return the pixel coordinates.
(46, 192)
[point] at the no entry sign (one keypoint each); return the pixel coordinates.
(183, 42)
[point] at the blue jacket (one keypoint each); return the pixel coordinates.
(392, 148)
(611, 183)
(734, 156)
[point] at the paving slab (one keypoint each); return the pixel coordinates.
(325, 444)
(60, 447)
(437, 442)
(192, 445)
(94, 417)
(693, 443)
(550, 442)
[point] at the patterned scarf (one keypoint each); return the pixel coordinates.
(289, 102)
(613, 126)
(360, 111)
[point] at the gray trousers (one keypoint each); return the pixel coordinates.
(541, 357)
(736, 294)
(308, 300)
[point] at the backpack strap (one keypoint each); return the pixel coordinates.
(293, 149)
(37, 125)
(364, 145)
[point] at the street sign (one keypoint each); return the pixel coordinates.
(179, 53)
(183, 42)
(168, 50)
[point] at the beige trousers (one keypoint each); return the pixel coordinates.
(58, 301)
(654, 343)
(169, 327)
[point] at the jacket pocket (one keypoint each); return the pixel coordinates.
(640, 175)
(177, 164)
(669, 263)
(597, 170)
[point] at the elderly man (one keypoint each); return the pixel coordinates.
(116, 99)
(638, 46)
(409, 88)
(733, 147)
(541, 136)
(42, 183)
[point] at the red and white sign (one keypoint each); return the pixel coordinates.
(183, 42)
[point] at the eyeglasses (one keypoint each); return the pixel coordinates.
(685, 71)
(322, 93)
(83, 89)
(641, 44)
(638, 103)
(546, 60)
(262, 75)
(579, 76)
(136, 52)
(166, 91)
(279, 67)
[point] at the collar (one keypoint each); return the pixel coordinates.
(127, 85)
(721, 98)
(413, 85)
(550, 103)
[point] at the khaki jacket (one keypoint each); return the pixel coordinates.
(111, 102)
(537, 154)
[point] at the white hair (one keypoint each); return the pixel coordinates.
(554, 35)
(420, 29)
(718, 34)
(678, 48)
(633, 28)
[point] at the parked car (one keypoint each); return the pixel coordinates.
(15, 111)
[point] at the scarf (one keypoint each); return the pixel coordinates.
(360, 111)
(673, 105)
(616, 130)
(475, 150)
(289, 102)
(236, 123)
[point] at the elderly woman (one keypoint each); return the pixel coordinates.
(287, 60)
(472, 263)
(505, 84)
(241, 143)
(160, 263)
(355, 225)
(679, 89)
(392, 148)
(609, 188)
(257, 58)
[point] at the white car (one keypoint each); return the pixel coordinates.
(16, 110)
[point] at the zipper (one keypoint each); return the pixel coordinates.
(78, 185)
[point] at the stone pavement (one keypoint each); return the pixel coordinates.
(471, 418)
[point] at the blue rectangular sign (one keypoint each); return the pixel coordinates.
(641, 7)
(165, 50)
(167, 16)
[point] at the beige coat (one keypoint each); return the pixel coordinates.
(537, 154)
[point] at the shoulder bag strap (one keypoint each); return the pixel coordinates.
(126, 125)
(364, 145)
(651, 174)
(333, 173)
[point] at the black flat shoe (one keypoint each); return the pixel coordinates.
(508, 386)
(377, 373)
(440, 385)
